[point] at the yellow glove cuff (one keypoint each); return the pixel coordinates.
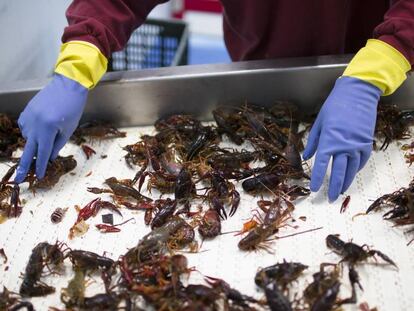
(81, 61)
(380, 64)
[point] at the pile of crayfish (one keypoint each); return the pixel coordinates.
(185, 162)
(143, 277)
(322, 292)
(11, 140)
(400, 206)
(392, 124)
(146, 277)
(10, 137)
(194, 176)
(10, 203)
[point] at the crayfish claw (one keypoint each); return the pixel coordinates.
(384, 257)
(235, 202)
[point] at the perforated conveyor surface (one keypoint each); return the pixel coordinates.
(384, 286)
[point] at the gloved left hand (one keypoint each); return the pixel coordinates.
(48, 121)
(343, 130)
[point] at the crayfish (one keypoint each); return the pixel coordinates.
(43, 255)
(95, 130)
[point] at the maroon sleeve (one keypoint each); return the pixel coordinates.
(398, 28)
(107, 24)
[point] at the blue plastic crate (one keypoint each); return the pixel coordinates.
(157, 43)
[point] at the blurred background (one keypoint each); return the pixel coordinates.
(178, 32)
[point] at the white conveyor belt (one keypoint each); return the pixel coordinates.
(384, 287)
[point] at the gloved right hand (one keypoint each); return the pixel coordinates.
(48, 121)
(51, 117)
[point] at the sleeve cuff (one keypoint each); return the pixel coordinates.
(380, 64)
(81, 61)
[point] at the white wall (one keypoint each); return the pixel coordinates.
(30, 32)
(162, 11)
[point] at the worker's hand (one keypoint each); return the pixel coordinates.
(345, 125)
(48, 121)
(343, 130)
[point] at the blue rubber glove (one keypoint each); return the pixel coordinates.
(343, 130)
(48, 121)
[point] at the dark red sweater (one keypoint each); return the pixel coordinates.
(262, 29)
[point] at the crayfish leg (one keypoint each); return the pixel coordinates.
(383, 256)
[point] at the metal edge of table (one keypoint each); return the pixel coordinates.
(134, 98)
